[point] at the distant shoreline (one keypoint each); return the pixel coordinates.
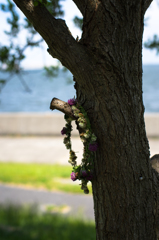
(41, 69)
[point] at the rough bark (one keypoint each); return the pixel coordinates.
(84, 4)
(107, 68)
(156, 197)
(122, 189)
(155, 165)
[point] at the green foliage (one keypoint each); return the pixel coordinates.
(27, 223)
(153, 44)
(4, 54)
(2, 83)
(78, 22)
(13, 21)
(51, 71)
(53, 6)
(12, 54)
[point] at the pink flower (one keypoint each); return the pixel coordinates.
(72, 101)
(93, 147)
(73, 176)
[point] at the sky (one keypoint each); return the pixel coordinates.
(38, 58)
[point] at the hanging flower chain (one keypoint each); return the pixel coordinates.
(84, 171)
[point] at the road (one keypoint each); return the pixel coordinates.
(78, 205)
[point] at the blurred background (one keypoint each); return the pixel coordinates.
(37, 198)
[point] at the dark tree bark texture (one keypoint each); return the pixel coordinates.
(107, 68)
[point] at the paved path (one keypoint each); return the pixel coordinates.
(46, 149)
(77, 205)
(37, 149)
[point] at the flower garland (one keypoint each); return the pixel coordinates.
(84, 171)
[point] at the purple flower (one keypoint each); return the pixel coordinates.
(73, 176)
(72, 101)
(90, 176)
(93, 147)
(83, 173)
(64, 131)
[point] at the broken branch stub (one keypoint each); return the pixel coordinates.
(62, 107)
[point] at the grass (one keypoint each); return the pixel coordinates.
(28, 224)
(51, 177)
(57, 209)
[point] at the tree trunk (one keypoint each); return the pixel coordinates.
(107, 68)
(122, 188)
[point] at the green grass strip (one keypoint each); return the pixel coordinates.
(28, 224)
(51, 177)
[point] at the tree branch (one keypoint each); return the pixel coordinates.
(147, 4)
(83, 4)
(61, 43)
(62, 107)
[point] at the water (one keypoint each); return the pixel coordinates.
(15, 98)
(151, 88)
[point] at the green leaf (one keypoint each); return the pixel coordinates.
(3, 7)
(153, 43)
(4, 53)
(78, 22)
(35, 2)
(51, 71)
(2, 81)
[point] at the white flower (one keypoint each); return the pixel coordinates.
(76, 114)
(93, 138)
(82, 119)
(87, 134)
(83, 140)
(82, 125)
(74, 108)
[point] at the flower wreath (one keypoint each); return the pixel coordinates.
(84, 171)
